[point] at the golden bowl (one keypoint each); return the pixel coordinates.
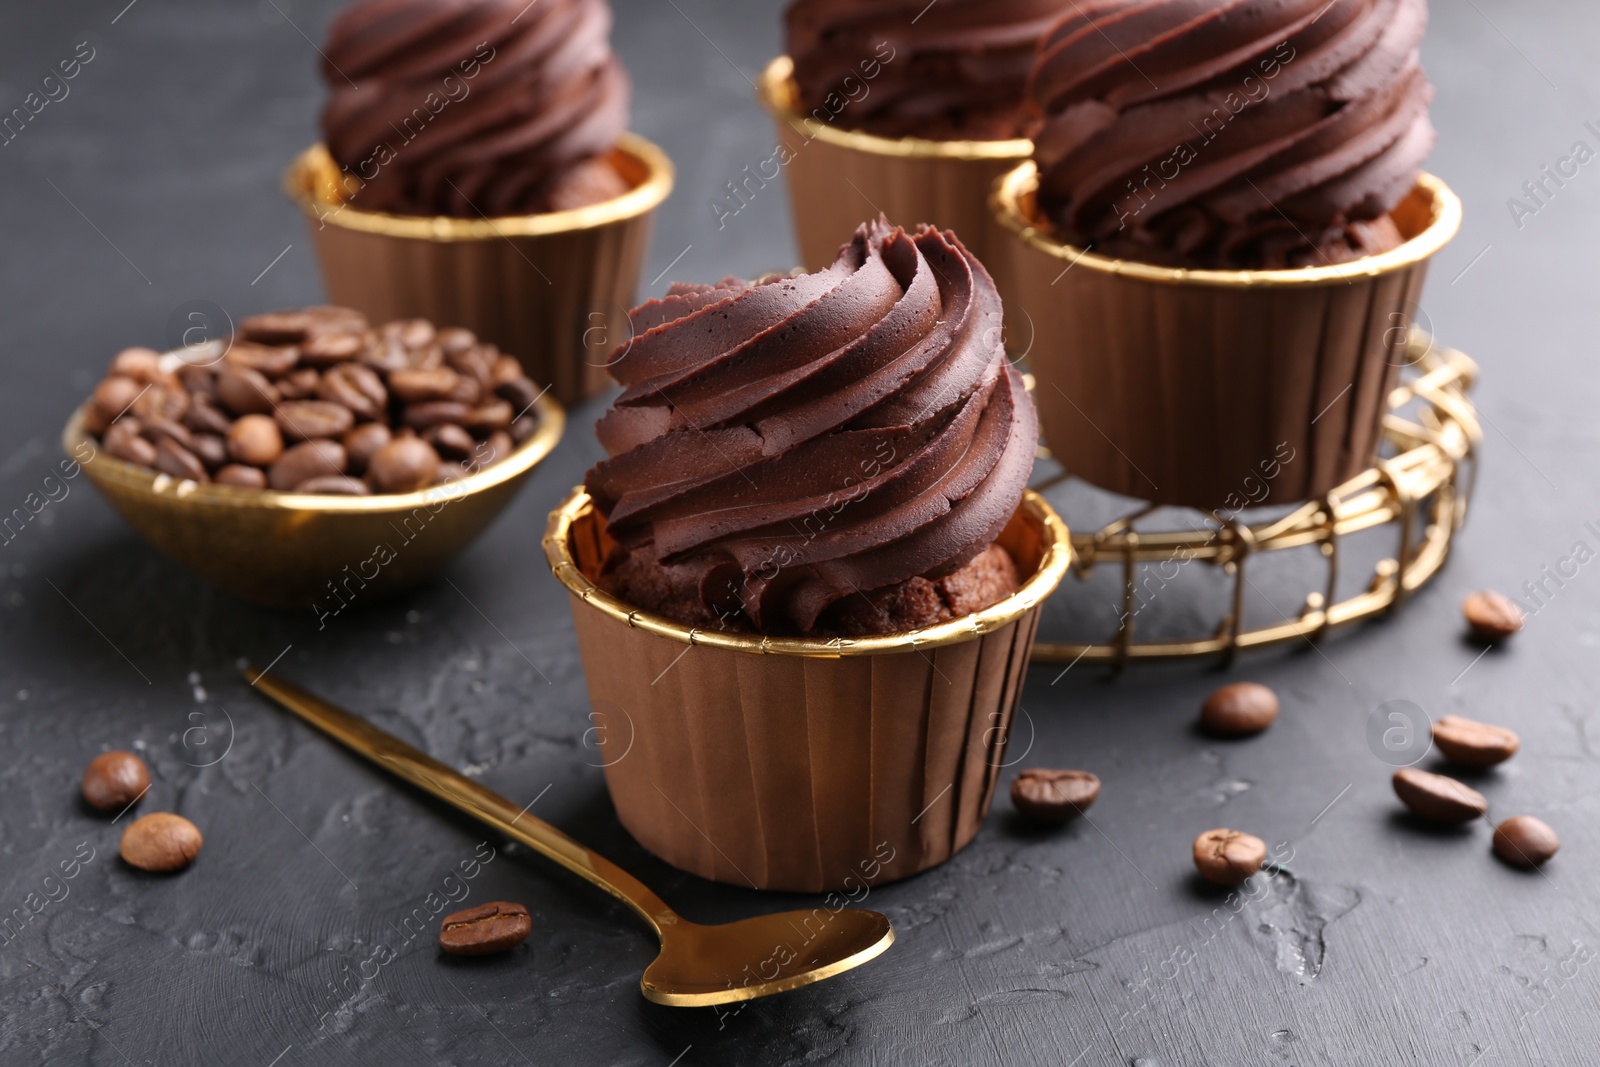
(299, 550)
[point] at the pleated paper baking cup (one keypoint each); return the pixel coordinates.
(839, 178)
(1196, 387)
(551, 289)
(803, 764)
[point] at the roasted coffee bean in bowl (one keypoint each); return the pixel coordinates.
(301, 463)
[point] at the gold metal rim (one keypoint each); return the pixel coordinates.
(1052, 568)
(312, 182)
(1014, 190)
(777, 92)
(154, 484)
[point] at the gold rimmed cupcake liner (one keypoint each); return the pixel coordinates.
(803, 764)
(1187, 387)
(310, 550)
(551, 289)
(839, 178)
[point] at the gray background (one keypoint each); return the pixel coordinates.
(155, 183)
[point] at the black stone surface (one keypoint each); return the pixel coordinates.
(155, 183)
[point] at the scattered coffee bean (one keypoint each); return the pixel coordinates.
(1438, 797)
(113, 780)
(306, 461)
(482, 931)
(1524, 841)
(160, 842)
(519, 392)
(1239, 709)
(403, 466)
(1473, 744)
(318, 374)
(172, 458)
(256, 440)
(237, 474)
(335, 485)
(1053, 796)
(1228, 857)
(1491, 616)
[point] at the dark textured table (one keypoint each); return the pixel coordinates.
(154, 183)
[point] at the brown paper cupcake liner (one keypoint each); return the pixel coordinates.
(839, 178)
(1194, 388)
(803, 764)
(551, 289)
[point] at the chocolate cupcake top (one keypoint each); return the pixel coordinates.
(474, 107)
(1237, 134)
(954, 70)
(785, 444)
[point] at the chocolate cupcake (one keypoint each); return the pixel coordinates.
(808, 573)
(906, 108)
(1224, 234)
(834, 452)
(475, 169)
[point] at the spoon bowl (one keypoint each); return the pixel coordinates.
(704, 965)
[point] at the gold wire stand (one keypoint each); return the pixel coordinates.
(1433, 429)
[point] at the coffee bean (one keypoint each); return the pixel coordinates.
(387, 355)
(205, 415)
(413, 333)
(306, 461)
(1053, 796)
(157, 430)
(200, 381)
(485, 930)
(161, 402)
(160, 842)
(468, 390)
(1491, 616)
(356, 387)
(236, 474)
(450, 440)
(1239, 709)
(256, 440)
(476, 362)
(246, 392)
(520, 392)
(495, 415)
(276, 327)
(1228, 857)
(113, 780)
(416, 386)
(1438, 798)
(455, 339)
(334, 485)
(212, 450)
(433, 412)
(503, 370)
(141, 364)
(273, 362)
(361, 442)
(1473, 744)
(330, 318)
(449, 471)
(303, 420)
(172, 458)
(330, 349)
(524, 427)
(1524, 841)
(403, 465)
(113, 396)
(122, 440)
(300, 384)
(498, 447)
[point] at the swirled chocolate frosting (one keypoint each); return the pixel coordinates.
(1231, 133)
(474, 107)
(782, 446)
(954, 70)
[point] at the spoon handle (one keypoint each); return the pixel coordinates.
(463, 794)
